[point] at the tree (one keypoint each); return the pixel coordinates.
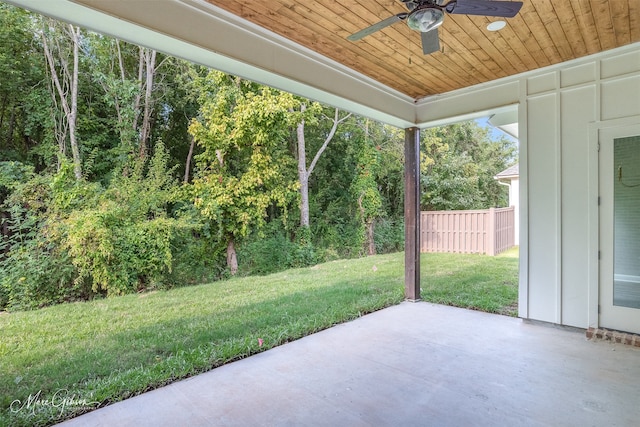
(128, 75)
(148, 66)
(178, 106)
(365, 189)
(390, 171)
(61, 44)
(304, 171)
(244, 168)
(24, 102)
(459, 162)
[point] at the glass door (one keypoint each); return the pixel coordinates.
(619, 182)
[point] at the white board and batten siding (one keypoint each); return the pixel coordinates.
(561, 110)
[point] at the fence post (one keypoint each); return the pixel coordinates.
(491, 233)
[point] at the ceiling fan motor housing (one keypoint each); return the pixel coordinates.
(425, 18)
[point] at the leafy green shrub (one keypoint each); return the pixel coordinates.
(196, 260)
(389, 235)
(119, 254)
(343, 238)
(12, 174)
(33, 277)
(32, 273)
(68, 239)
(273, 251)
(127, 242)
(30, 270)
(304, 255)
(264, 256)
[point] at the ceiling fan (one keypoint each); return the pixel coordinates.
(427, 15)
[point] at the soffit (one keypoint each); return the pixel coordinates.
(544, 33)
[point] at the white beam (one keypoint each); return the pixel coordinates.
(469, 103)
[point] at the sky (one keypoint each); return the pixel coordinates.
(494, 132)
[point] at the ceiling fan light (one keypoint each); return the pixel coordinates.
(496, 25)
(425, 19)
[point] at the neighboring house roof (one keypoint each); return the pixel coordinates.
(509, 173)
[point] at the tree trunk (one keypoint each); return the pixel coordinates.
(75, 150)
(145, 131)
(187, 166)
(369, 226)
(69, 106)
(303, 172)
(232, 259)
(3, 109)
(12, 124)
(303, 176)
(124, 135)
(138, 97)
(304, 201)
(371, 244)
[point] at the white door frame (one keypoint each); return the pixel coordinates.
(603, 131)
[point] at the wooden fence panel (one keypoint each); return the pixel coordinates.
(476, 231)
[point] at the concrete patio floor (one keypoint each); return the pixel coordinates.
(415, 364)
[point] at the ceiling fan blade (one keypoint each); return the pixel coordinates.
(430, 41)
(504, 9)
(377, 27)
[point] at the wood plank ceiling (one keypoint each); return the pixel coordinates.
(545, 32)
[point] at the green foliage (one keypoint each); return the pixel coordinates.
(68, 194)
(126, 242)
(389, 142)
(24, 119)
(68, 239)
(33, 273)
(338, 237)
(453, 184)
(364, 189)
(120, 86)
(244, 168)
(272, 251)
(127, 225)
(12, 174)
(389, 235)
(120, 254)
(196, 257)
(459, 162)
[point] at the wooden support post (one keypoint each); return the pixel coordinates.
(412, 214)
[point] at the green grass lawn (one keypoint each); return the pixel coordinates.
(64, 360)
(472, 281)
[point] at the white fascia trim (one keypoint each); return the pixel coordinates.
(463, 116)
(200, 32)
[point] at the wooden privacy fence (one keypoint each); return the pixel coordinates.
(488, 231)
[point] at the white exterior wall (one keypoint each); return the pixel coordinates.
(561, 109)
